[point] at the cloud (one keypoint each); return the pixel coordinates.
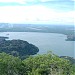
(35, 14)
(10, 1)
(18, 2)
(45, 0)
(31, 0)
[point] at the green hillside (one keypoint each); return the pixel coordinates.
(18, 48)
(47, 64)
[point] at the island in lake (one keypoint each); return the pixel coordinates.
(17, 47)
(70, 38)
(3, 38)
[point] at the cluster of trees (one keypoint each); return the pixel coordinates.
(18, 48)
(71, 37)
(47, 64)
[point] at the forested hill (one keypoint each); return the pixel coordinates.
(18, 48)
(47, 64)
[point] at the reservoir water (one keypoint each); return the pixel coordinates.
(45, 42)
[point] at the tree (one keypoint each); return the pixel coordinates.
(9, 64)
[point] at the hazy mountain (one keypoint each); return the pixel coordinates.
(6, 25)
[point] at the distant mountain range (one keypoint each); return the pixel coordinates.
(63, 29)
(5, 25)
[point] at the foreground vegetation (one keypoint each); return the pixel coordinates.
(47, 64)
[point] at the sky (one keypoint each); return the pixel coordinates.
(37, 11)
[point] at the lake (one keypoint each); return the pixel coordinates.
(45, 42)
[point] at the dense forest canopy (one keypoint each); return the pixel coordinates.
(47, 64)
(18, 48)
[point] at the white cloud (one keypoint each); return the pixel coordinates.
(46, 0)
(34, 14)
(25, 1)
(17, 1)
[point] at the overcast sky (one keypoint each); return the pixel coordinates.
(37, 11)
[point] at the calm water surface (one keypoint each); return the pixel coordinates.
(45, 42)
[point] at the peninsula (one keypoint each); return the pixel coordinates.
(17, 47)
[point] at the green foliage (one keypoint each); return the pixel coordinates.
(46, 64)
(9, 64)
(18, 48)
